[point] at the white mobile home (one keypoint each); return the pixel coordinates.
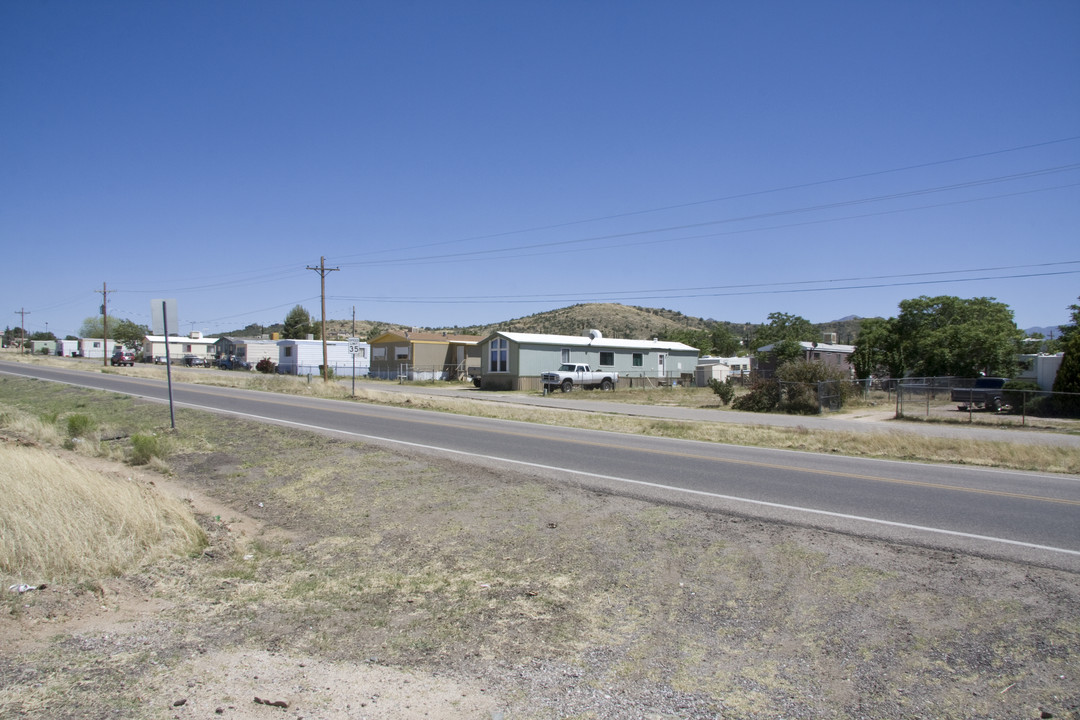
(67, 348)
(98, 348)
(305, 357)
(179, 347)
(249, 350)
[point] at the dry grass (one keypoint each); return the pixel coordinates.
(61, 520)
(884, 445)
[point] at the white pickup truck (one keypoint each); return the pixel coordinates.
(570, 374)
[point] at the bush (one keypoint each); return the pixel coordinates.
(1020, 401)
(725, 389)
(267, 366)
(79, 425)
(146, 447)
(764, 396)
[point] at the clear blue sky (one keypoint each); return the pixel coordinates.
(470, 162)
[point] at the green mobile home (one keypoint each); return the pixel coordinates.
(514, 361)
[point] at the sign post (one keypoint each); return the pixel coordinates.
(161, 311)
(355, 348)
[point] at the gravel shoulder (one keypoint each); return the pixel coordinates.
(346, 580)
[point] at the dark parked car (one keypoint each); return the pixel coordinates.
(123, 357)
(233, 363)
(194, 361)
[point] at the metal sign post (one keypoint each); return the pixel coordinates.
(160, 312)
(354, 350)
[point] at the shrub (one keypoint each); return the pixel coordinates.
(1020, 401)
(146, 447)
(266, 365)
(79, 425)
(725, 389)
(764, 396)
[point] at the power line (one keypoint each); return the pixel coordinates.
(731, 290)
(550, 244)
(739, 196)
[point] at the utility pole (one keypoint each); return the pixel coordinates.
(105, 323)
(322, 270)
(22, 313)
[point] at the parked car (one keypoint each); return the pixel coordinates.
(160, 359)
(233, 363)
(123, 357)
(194, 361)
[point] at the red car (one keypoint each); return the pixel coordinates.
(123, 357)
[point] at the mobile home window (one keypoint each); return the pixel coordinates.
(288, 351)
(639, 360)
(607, 359)
(500, 352)
(401, 352)
(378, 353)
(565, 355)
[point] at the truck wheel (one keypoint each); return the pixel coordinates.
(605, 384)
(567, 385)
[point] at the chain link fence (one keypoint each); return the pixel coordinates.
(953, 398)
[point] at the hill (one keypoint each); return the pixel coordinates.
(614, 320)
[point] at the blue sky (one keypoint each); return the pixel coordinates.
(466, 163)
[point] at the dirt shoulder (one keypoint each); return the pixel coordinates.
(347, 580)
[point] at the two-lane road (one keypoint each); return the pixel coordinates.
(1031, 517)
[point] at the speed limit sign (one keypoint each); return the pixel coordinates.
(355, 346)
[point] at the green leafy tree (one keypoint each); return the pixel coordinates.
(724, 342)
(298, 325)
(787, 351)
(129, 334)
(718, 341)
(782, 326)
(42, 336)
(947, 335)
(92, 327)
(1067, 331)
(877, 349)
(1067, 379)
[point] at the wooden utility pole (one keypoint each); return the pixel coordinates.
(105, 323)
(22, 313)
(322, 270)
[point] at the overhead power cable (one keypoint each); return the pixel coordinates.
(725, 198)
(457, 256)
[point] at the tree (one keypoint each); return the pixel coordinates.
(1067, 331)
(128, 333)
(298, 325)
(92, 327)
(1068, 375)
(877, 349)
(945, 335)
(782, 326)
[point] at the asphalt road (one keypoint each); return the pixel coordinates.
(1029, 517)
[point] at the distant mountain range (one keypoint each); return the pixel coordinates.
(1047, 332)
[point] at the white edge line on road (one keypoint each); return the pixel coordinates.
(658, 486)
(627, 481)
